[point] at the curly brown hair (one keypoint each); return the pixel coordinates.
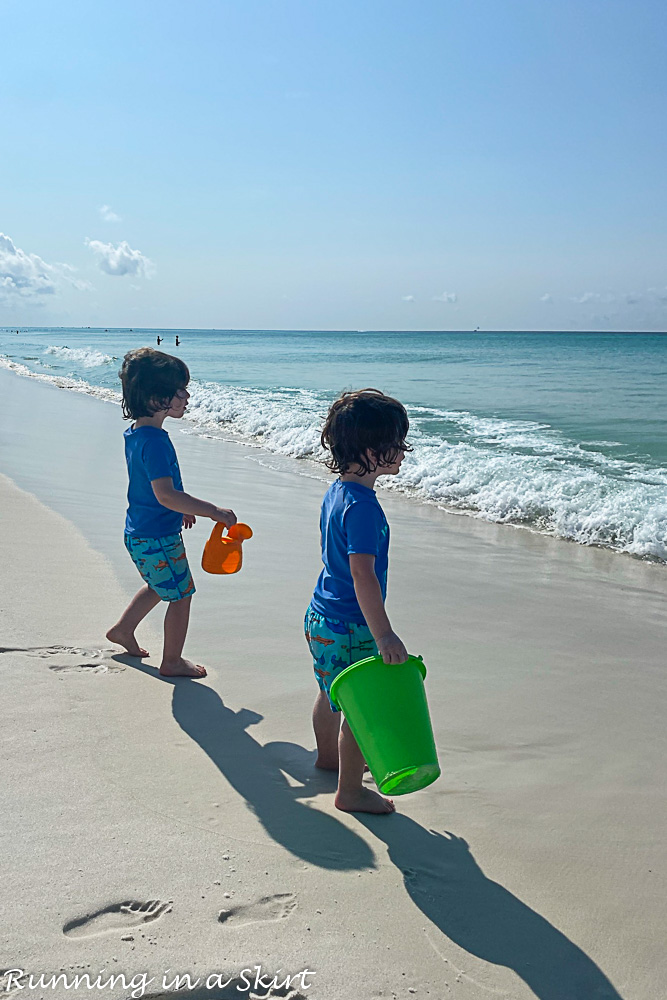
(150, 380)
(362, 422)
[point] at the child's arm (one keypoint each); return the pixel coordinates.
(369, 596)
(185, 504)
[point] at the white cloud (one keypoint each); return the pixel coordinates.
(27, 275)
(24, 273)
(408, 298)
(593, 297)
(67, 272)
(620, 308)
(120, 259)
(651, 297)
(446, 297)
(546, 297)
(108, 215)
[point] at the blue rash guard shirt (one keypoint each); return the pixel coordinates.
(150, 455)
(352, 521)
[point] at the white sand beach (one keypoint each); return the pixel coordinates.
(153, 825)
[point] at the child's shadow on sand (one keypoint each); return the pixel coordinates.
(439, 872)
(445, 882)
(255, 773)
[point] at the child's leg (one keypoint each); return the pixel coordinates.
(352, 795)
(123, 631)
(175, 630)
(327, 727)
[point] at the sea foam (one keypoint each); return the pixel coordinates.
(62, 381)
(88, 357)
(284, 421)
(506, 471)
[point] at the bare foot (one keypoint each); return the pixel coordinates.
(127, 641)
(183, 668)
(364, 800)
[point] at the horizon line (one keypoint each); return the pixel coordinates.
(221, 329)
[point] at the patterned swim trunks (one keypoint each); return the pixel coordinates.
(334, 646)
(163, 565)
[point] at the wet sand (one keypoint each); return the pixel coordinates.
(535, 866)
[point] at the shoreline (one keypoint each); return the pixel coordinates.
(545, 666)
(295, 466)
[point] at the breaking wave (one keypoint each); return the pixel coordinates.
(86, 356)
(506, 471)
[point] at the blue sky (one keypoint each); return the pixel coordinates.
(334, 165)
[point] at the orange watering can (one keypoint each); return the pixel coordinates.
(223, 554)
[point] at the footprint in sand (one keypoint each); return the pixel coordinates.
(276, 907)
(91, 668)
(8, 987)
(235, 988)
(118, 917)
(72, 653)
(94, 660)
(94, 654)
(44, 651)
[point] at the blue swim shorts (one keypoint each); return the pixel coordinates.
(334, 646)
(163, 565)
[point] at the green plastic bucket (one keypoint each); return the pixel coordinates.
(385, 707)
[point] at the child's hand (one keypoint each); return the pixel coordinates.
(189, 520)
(391, 649)
(228, 517)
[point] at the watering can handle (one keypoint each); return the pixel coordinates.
(237, 532)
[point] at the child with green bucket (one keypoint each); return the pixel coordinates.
(346, 621)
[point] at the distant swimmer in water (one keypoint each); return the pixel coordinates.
(159, 341)
(177, 341)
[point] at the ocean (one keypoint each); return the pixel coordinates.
(561, 433)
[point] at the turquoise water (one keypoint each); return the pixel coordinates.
(560, 432)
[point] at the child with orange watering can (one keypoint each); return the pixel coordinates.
(365, 431)
(154, 388)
